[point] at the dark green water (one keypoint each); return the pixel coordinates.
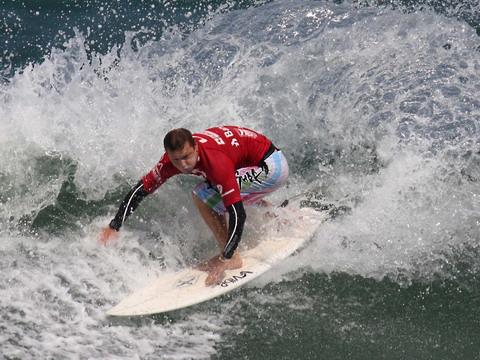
(351, 317)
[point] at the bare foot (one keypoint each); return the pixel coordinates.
(235, 262)
(216, 268)
(207, 265)
(214, 277)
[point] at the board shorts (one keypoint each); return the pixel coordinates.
(254, 182)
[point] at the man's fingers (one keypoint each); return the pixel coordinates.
(106, 235)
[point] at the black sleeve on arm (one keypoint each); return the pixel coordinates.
(236, 220)
(128, 205)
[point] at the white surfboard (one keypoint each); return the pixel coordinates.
(187, 287)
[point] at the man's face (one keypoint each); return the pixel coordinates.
(185, 159)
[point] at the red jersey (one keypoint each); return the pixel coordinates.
(221, 150)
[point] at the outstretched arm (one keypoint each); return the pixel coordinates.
(163, 170)
(127, 207)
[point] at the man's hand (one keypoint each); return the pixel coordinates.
(106, 235)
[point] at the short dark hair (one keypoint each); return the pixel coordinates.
(177, 138)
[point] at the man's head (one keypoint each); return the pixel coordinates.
(181, 149)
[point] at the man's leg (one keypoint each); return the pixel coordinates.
(218, 225)
(216, 222)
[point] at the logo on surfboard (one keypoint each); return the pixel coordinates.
(235, 278)
(186, 281)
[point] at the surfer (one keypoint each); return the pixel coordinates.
(239, 166)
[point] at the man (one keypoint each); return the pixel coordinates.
(239, 166)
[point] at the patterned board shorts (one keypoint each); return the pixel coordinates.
(254, 182)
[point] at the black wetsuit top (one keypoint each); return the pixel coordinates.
(236, 211)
